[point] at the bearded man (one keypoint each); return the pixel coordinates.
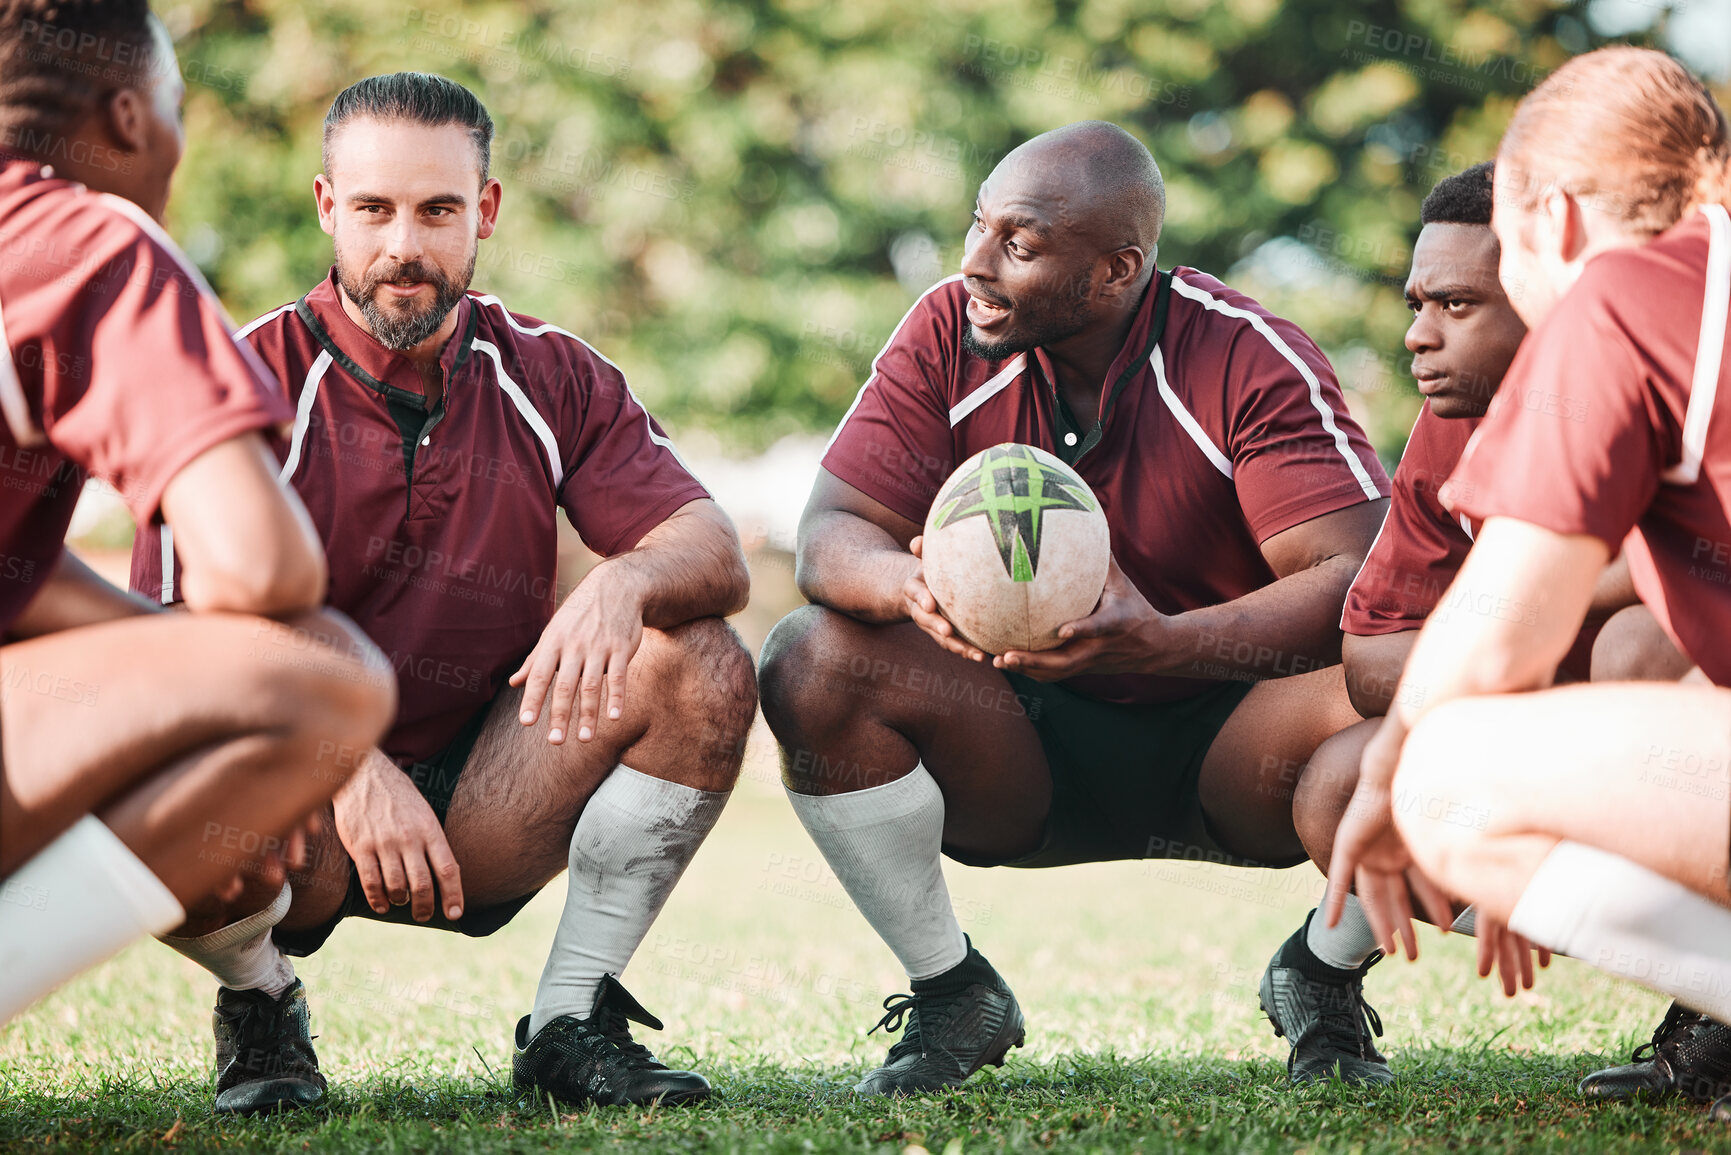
(435, 435)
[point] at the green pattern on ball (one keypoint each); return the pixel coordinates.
(1012, 489)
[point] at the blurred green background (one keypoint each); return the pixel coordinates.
(737, 200)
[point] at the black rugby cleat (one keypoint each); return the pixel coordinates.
(1320, 1010)
(952, 1025)
(1689, 1055)
(264, 1052)
(595, 1060)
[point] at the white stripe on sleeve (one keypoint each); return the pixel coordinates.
(1709, 348)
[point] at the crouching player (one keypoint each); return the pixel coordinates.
(1241, 499)
(149, 758)
(1463, 336)
(1606, 806)
(436, 436)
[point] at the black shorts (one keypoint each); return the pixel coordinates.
(436, 779)
(1124, 778)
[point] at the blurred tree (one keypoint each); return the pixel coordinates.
(737, 199)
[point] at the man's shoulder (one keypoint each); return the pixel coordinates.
(284, 343)
(526, 343)
(1219, 330)
(936, 318)
(1202, 302)
(271, 322)
(64, 233)
(928, 349)
(33, 200)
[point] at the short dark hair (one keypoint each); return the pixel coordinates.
(58, 58)
(1461, 199)
(419, 97)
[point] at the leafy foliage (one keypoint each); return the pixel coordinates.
(737, 199)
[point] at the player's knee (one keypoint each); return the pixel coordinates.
(1324, 792)
(1633, 647)
(713, 675)
(798, 669)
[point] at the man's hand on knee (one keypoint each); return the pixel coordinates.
(396, 842)
(582, 656)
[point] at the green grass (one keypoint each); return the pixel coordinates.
(1138, 981)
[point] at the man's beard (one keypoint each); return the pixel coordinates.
(1060, 317)
(403, 326)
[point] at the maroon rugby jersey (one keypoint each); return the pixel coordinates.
(1615, 420)
(1228, 431)
(440, 527)
(1421, 544)
(119, 363)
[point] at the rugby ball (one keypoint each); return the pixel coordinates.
(1015, 546)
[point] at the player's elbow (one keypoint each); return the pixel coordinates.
(822, 540)
(283, 580)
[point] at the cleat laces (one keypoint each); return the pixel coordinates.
(264, 1028)
(1666, 1036)
(615, 1028)
(898, 1015)
(1345, 1023)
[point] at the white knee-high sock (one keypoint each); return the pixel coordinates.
(884, 845)
(1346, 944)
(241, 955)
(82, 898)
(633, 840)
(1619, 916)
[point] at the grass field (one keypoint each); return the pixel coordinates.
(1138, 981)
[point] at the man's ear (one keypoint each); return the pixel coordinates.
(125, 119)
(1123, 267)
(488, 208)
(325, 200)
(1566, 230)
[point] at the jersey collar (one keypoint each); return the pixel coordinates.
(1132, 353)
(377, 364)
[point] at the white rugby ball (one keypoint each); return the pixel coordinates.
(1015, 546)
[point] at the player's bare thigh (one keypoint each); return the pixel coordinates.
(1246, 783)
(856, 705)
(1642, 770)
(689, 699)
(86, 713)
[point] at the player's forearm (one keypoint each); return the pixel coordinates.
(853, 567)
(75, 595)
(1290, 626)
(1373, 665)
(690, 566)
(246, 545)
